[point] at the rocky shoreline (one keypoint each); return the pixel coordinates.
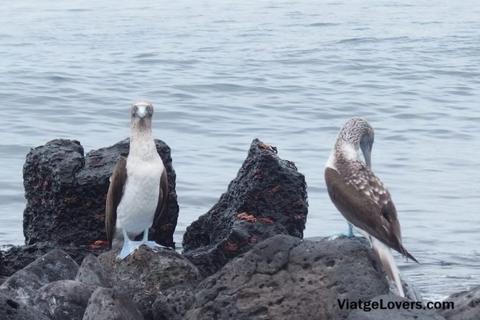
(243, 259)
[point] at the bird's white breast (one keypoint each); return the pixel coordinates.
(331, 161)
(136, 210)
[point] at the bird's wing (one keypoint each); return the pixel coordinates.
(114, 195)
(366, 203)
(163, 196)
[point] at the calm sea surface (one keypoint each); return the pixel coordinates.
(221, 73)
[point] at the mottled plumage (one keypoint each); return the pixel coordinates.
(361, 196)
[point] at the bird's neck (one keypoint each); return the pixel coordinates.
(346, 150)
(142, 145)
(342, 152)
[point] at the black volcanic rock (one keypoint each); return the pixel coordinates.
(286, 278)
(66, 191)
(268, 197)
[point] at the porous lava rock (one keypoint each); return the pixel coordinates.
(146, 273)
(66, 191)
(285, 277)
(268, 197)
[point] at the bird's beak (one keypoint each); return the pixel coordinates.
(367, 153)
(142, 112)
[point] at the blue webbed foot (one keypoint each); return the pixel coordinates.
(128, 248)
(154, 245)
(151, 244)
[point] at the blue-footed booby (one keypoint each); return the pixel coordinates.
(362, 198)
(138, 190)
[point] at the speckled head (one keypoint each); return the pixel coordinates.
(141, 115)
(357, 133)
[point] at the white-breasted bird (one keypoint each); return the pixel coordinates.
(138, 191)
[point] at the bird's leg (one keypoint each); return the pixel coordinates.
(350, 231)
(129, 246)
(151, 244)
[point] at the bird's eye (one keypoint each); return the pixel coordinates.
(150, 109)
(134, 110)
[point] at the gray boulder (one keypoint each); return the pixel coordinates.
(64, 299)
(106, 304)
(286, 278)
(92, 272)
(146, 273)
(394, 311)
(62, 185)
(11, 309)
(23, 284)
(268, 197)
(467, 305)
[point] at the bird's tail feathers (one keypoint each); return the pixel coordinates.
(386, 258)
(407, 254)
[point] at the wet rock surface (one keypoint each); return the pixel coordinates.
(66, 191)
(284, 273)
(467, 305)
(268, 197)
(146, 273)
(107, 304)
(400, 313)
(23, 285)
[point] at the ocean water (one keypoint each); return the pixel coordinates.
(221, 73)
